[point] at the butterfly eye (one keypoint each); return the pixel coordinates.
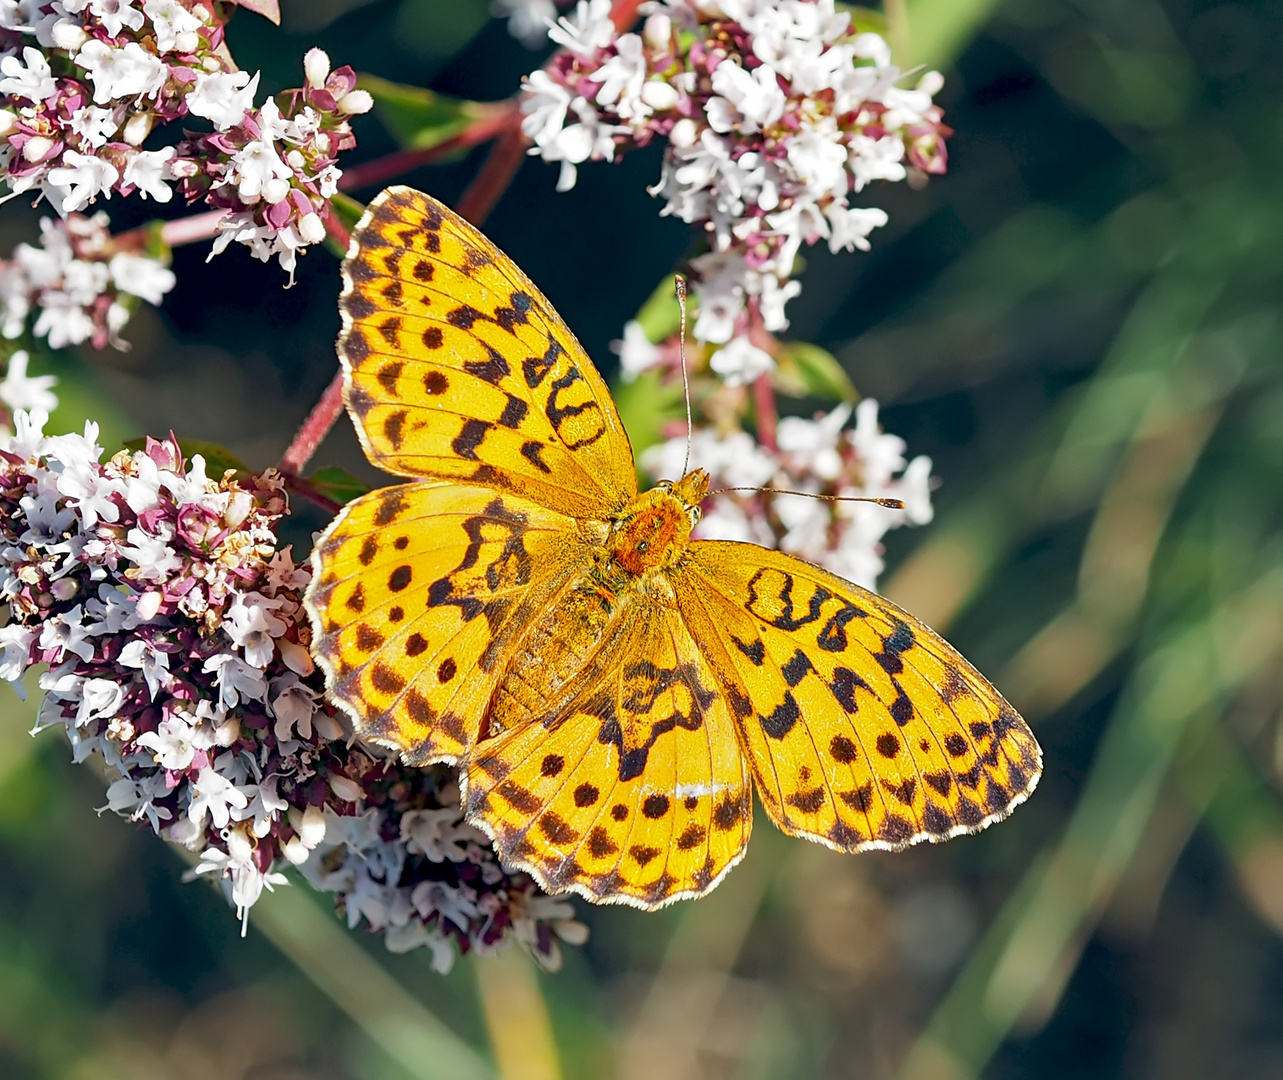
(644, 546)
(696, 514)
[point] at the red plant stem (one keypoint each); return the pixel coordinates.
(338, 231)
(188, 230)
(505, 158)
(764, 405)
(315, 428)
(379, 171)
(624, 14)
(304, 490)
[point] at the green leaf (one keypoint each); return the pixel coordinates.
(218, 459)
(806, 370)
(418, 118)
(864, 20)
(644, 405)
(335, 482)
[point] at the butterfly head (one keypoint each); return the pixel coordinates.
(656, 526)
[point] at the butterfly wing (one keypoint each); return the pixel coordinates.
(632, 788)
(864, 728)
(456, 367)
(419, 592)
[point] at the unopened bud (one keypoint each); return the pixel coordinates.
(64, 588)
(311, 228)
(37, 148)
(295, 851)
(358, 101)
(275, 190)
(313, 830)
(660, 95)
(68, 34)
(316, 66)
(295, 159)
(658, 30)
(186, 41)
(138, 127)
(931, 83)
(8, 123)
(684, 133)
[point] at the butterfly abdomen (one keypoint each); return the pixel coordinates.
(553, 650)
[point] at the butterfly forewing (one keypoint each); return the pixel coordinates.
(457, 367)
(632, 788)
(416, 593)
(864, 728)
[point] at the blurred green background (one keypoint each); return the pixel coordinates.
(1080, 324)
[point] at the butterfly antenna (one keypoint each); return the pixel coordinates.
(679, 283)
(890, 504)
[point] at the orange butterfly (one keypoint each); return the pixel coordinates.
(607, 686)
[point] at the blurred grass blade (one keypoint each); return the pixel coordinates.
(417, 117)
(324, 950)
(1177, 688)
(516, 1016)
(938, 30)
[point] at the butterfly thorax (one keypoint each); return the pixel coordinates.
(647, 538)
(654, 529)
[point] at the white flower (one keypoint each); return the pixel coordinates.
(152, 555)
(251, 625)
(636, 353)
(68, 633)
(590, 28)
(115, 15)
(437, 834)
(99, 698)
(15, 651)
(94, 125)
(148, 170)
(171, 744)
(127, 73)
(141, 276)
(223, 97)
(756, 95)
(235, 680)
(215, 795)
(545, 104)
(622, 78)
(171, 20)
(293, 703)
(33, 80)
(851, 226)
(18, 390)
(153, 663)
(741, 362)
(259, 171)
(78, 181)
(812, 445)
(528, 20)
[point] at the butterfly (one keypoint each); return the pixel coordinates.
(611, 690)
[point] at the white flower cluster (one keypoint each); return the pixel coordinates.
(122, 67)
(821, 456)
(78, 283)
(84, 82)
(170, 624)
(775, 112)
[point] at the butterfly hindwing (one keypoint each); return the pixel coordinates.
(416, 595)
(457, 367)
(863, 727)
(632, 788)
